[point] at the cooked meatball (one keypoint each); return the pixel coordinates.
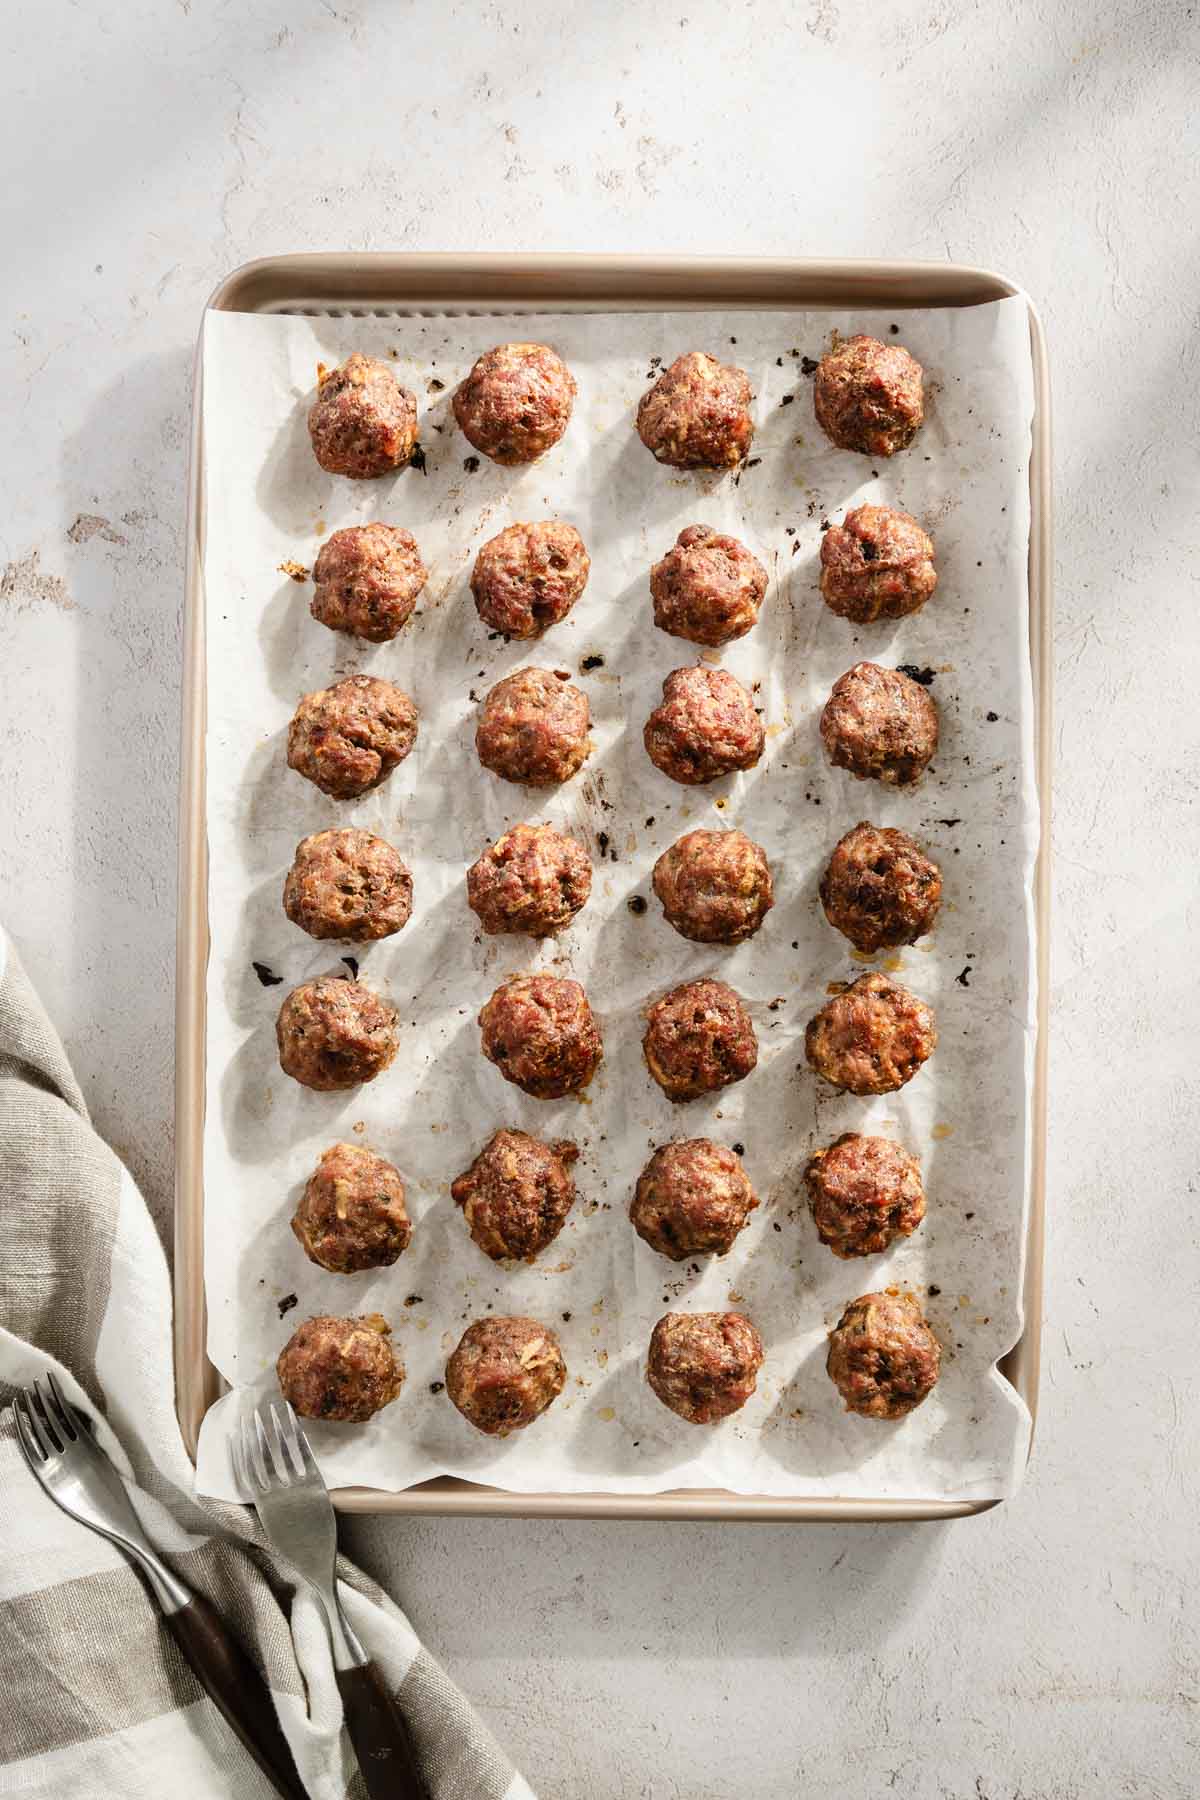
(362, 422)
(516, 402)
(708, 588)
(367, 580)
(342, 1369)
(348, 738)
(883, 1358)
(872, 1038)
(532, 880)
(533, 728)
(879, 723)
(335, 1034)
(715, 886)
(505, 1373)
(864, 1193)
(868, 396)
(347, 884)
(880, 889)
(692, 1199)
(529, 577)
(705, 726)
(699, 1038)
(516, 1194)
(540, 1033)
(704, 1366)
(878, 565)
(352, 1214)
(697, 414)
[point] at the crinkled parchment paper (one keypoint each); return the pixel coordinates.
(966, 1115)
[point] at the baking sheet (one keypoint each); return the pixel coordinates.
(966, 1115)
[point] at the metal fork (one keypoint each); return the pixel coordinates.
(71, 1468)
(277, 1468)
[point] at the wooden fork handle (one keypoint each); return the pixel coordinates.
(237, 1689)
(380, 1736)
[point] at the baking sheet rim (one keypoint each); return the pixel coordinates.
(500, 284)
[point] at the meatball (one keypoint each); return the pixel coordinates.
(367, 580)
(872, 1038)
(879, 723)
(351, 1214)
(883, 1358)
(697, 414)
(715, 886)
(704, 1366)
(705, 726)
(878, 565)
(868, 396)
(529, 576)
(699, 1038)
(516, 402)
(533, 728)
(692, 1199)
(505, 1373)
(362, 422)
(335, 1034)
(540, 1033)
(348, 738)
(708, 588)
(864, 1192)
(533, 880)
(880, 889)
(347, 884)
(516, 1194)
(342, 1369)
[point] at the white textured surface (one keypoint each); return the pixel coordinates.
(1050, 1649)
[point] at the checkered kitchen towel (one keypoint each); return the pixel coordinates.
(96, 1702)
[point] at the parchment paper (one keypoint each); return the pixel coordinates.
(966, 1115)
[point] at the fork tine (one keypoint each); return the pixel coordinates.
(29, 1449)
(285, 1437)
(301, 1445)
(279, 1456)
(252, 1459)
(56, 1408)
(272, 1473)
(47, 1443)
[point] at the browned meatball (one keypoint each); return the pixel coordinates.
(704, 1366)
(697, 414)
(348, 738)
(516, 1194)
(540, 1033)
(880, 889)
(347, 884)
(335, 1034)
(878, 565)
(864, 1193)
(869, 396)
(879, 723)
(715, 886)
(362, 422)
(533, 728)
(516, 402)
(352, 1214)
(692, 1199)
(341, 1369)
(367, 580)
(699, 1038)
(505, 1373)
(529, 577)
(532, 880)
(872, 1038)
(708, 588)
(705, 726)
(883, 1358)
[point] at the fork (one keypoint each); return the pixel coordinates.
(64, 1459)
(276, 1466)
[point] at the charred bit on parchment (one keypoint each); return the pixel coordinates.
(266, 975)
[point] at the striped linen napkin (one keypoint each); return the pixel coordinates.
(97, 1702)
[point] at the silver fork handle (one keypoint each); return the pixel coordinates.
(348, 1653)
(170, 1593)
